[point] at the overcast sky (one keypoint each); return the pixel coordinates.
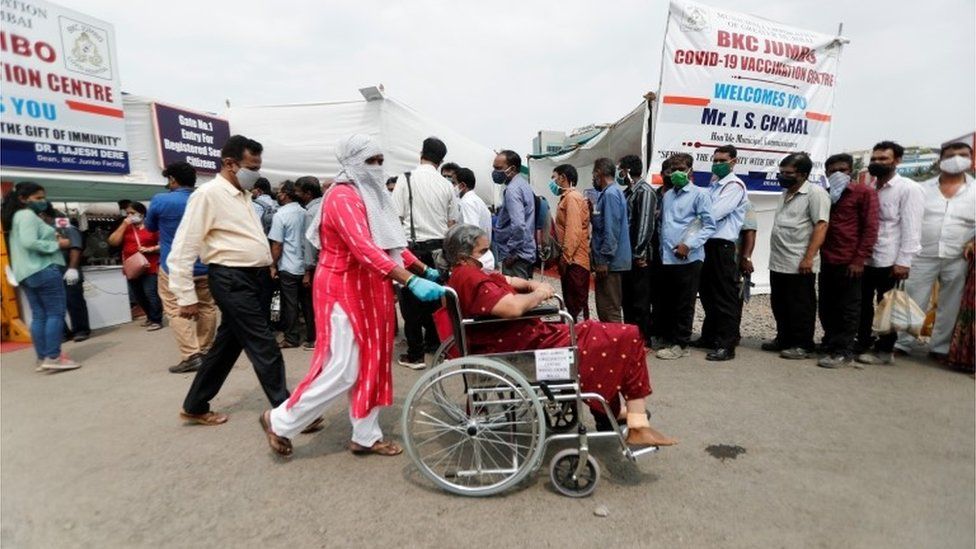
(500, 71)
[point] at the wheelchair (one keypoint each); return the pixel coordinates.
(478, 425)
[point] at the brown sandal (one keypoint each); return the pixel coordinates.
(209, 418)
(314, 427)
(380, 448)
(280, 445)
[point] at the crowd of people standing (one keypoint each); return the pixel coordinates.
(340, 258)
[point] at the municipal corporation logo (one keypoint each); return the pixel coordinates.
(86, 48)
(694, 18)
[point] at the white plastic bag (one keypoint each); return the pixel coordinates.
(898, 313)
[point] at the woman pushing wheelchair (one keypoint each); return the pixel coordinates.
(611, 356)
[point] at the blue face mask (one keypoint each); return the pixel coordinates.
(554, 187)
(38, 206)
(498, 176)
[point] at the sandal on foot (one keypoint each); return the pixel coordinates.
(381, 448)
(314, 427)
(280, 445)
(209, 418)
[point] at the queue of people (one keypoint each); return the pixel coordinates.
(342, 258)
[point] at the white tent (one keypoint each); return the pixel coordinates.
(301, 139)
(629, 136)
(623, 137)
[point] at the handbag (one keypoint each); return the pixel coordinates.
(136, 264)
(897, 312)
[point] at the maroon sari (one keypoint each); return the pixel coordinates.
(611, 356)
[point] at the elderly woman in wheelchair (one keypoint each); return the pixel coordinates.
(611, 356)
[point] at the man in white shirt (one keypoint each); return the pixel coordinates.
(222, 228)
(948, 225)
(900, 205)
(473, 209)
(427, 208)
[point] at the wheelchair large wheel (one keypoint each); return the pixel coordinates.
(440, 355)
(474, 426)
(562, 473)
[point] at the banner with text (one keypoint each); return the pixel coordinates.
(731, 78)
(187, 136)
(61, 107)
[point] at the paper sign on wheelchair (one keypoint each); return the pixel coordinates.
(553, 364)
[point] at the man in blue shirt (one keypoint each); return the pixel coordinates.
(686, 224)
(610, 252)
(287, 236)
(720, 271)
(193, 337)
(515, 233)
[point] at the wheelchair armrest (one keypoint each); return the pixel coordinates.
(545, 309)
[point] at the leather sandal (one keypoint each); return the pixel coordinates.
(380, 448)
(209, 418)
(280, 445)
(315, 426)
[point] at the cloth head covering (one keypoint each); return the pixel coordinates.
(384, 222)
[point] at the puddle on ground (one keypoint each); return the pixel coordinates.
(725, 451)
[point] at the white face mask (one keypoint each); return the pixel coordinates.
(838, 182)
(955, 164)
(247, 178)
(135, 218)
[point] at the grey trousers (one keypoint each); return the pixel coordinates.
(609, 298)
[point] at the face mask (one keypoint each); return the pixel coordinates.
(621, 178)
(955, 164)
(135, 219)
(554, 187)
(784, 181)
(679, 179)
(38, 206)
(247, 178)
(879, 170)
(721, 169)
(376, 175)
(498, 176)
(838, 182)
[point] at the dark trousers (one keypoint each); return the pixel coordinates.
(418, 319)
(874, 283)
(146, 293)
(295, 298)
(720, 294)
(793, 298)
(575, 283)
(840, 308)
(658, 320)
(244, 325)
(77, 306)
(521, 268)
(680, 286)
(637, 299)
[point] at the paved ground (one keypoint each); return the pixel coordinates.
(882, 456)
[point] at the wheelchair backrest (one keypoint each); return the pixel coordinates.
(453, 307)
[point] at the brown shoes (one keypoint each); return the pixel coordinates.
(209, 418)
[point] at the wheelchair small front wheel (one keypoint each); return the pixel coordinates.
(562, 473)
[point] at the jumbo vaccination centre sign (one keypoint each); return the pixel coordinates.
(61, 102)
(731, 78)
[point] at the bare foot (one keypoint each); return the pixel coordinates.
(648, 436)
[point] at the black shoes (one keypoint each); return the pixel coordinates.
(720, 355)
(702, 343)
(191, 364)
(772, 346)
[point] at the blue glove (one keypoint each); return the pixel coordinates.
(424, 289)
(432, 274)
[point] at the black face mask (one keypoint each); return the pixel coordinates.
(786, 182)
(880, 170)
(666, 180)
